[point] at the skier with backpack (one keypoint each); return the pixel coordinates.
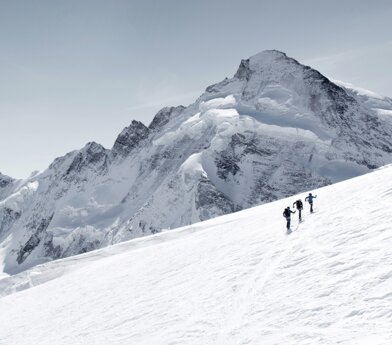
(299, 206)
(310, 198)
(287, 214)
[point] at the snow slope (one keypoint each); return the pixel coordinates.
(235, 279)
(276, 128)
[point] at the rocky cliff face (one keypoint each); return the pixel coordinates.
(6, 185)
(130, 138)
(275, 129)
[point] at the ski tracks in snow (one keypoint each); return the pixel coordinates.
(255, 284)
(236, 280)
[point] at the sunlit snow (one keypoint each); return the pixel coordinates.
(236, 279)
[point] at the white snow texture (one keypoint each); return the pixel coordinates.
(236, 279)
(274, 129)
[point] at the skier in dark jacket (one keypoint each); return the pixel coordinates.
(310, 198)
(287, 214)
(299, 206)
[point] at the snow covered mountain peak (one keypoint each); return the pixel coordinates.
(268, 59)
(269, 64)
(129, 138)
(269, 54)
(4, 180)
(277, 90)
(273, 75)
(272, 130)
(91, 154)
(6, 183)
(164, 116)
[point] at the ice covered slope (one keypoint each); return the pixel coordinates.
(380, 104)
(236, 279)
(276, 128)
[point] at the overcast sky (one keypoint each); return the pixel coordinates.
(73, 71)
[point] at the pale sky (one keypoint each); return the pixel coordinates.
(73, 71)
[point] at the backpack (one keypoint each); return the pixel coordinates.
(286, 213)
(299, 204)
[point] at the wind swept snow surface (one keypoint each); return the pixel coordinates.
(236, 279)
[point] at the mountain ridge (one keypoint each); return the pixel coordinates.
(272, 130)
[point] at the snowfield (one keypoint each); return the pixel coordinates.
(274, 129)
(235, 279)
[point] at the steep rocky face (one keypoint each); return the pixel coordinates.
(274, 129)
(93, 155)
(5, 180)
(34, 239)
(6, 184)
(164, 116)
(279, 90)
(7, 217)
(130, 138)
(210, 201)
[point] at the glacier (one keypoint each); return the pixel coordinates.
(274, 129)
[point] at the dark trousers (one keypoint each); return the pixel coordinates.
(299, 213)
(311, 207)
(288, 222)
